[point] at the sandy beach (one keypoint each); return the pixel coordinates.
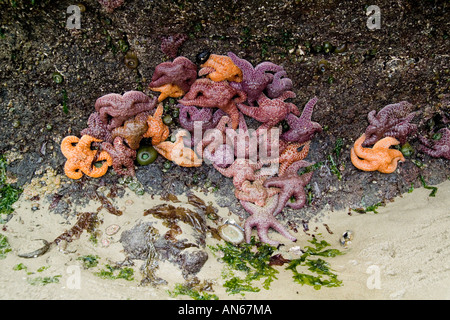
(399, 253)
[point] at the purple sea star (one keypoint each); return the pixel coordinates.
(110, 5)
(181, 72)
(206, 93)
(391, 121)
(120, 108)
(291, 184)
(279, 84)
(270, 111)
(223, 155)
(263, 219)
(171, 44)
(254, 80)
(213, 138)
(438, 148)
(302, 128)
(97, 129)
(203, 119)
(122, 156)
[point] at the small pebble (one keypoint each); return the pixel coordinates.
(112, 229)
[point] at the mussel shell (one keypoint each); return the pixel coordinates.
(202, 56)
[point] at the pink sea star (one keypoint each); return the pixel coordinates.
(438, 148)
(97, 129)
(206, 93)
(255, 192)
(263, 219)
(240, 170)
(270, 111)
(120, 108)
(391, 121)
(291, 184)
(122, 156)
(301, 129)
(181, 72)
(254, 80)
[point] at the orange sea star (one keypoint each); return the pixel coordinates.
(255, 192)
(220, 68)
(291, 154)
(157, 130)
(81, 158)
(177, 152)
(378, 158)
(168, 90)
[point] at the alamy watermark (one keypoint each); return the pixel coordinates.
(74, 20)
(374, 20)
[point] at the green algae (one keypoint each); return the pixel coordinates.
(318, 272)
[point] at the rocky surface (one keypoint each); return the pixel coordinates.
(407, 59)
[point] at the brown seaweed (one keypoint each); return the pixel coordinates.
(86, 221)
(173, 214)
(106, 204)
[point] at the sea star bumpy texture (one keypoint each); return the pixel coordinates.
(240, 170)
(391, 121)
(302, 129)
(254, 80)
(81, 158)
(204, 119)
(379, 158)
(291, 184)
(181, 72)
(255, 192)
(122, 107)
(171, 44)
(110, 5)
(206, 93)
(122, 156)
(157, 130)
(270, 111)
(278, 84)
(133, 130)
(97, 129)
(437, 148)
(291, 154)
(219, 68)
(263, 219)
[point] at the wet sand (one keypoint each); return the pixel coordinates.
(400, 253)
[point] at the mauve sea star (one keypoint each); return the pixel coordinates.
(221, 156)
(133, 130)
(437, 148)
(301, 129)
(203, 119)
(379, 157)
(279, 84)
(240, 170)
(206, 93)
(391, 121)
(219, 68)
(255, 192)
(122, 156)
(291, 184)
(213, 138)
(97, 129)
(81, 158)
(270, 111)
(254, 80)
(263, 219)
(181, 72)
(121, 108)
(171, 44)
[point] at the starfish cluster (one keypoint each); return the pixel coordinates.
(213, 108)
(391, 126)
